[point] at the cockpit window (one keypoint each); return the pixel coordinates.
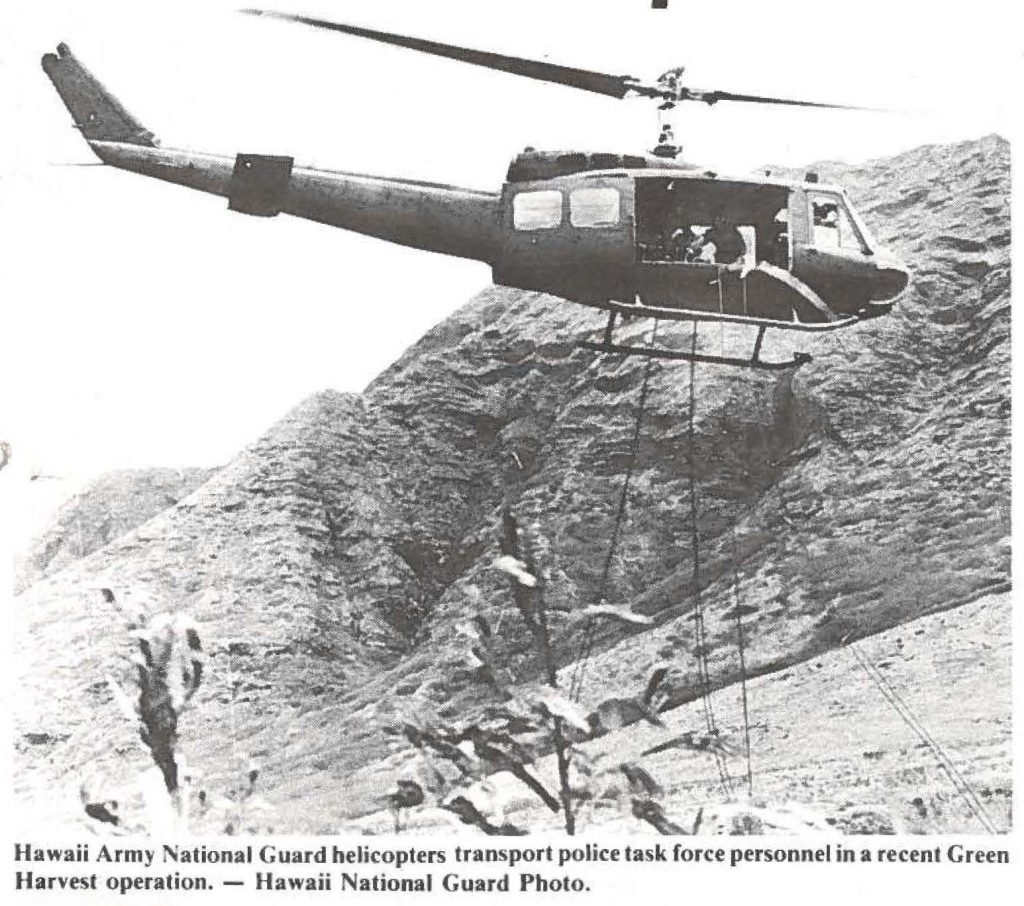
(598, 207)
(537, 210)
(833, 227)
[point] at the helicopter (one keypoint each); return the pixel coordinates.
(637, 235)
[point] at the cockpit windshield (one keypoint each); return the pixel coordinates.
(835, 225)
(870, 243)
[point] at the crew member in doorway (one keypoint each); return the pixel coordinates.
(727, 239)
(681, 243)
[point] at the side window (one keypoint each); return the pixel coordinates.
(537, 210)
(597, 207)
(832, 228)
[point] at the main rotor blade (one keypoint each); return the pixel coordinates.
(666, 89)
(585, 79)
(713, 97)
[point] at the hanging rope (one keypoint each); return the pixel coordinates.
(703, 673)
(700, 632)
(735, 594)
(589, 633)
(743, 688)
(704, 677)
(889, 693)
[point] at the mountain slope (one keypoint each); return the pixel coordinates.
(108, 507)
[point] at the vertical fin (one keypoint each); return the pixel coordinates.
(96, 112)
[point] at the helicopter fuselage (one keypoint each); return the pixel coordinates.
(601, 238)
(640, 234)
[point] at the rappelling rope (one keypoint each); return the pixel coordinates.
(741, 649)
(589, 633)
(586, 646)
(703, 673)
(960, 784)
(743, 688)
(740, 640)
(889, 693)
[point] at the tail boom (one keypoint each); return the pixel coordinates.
(437, 218)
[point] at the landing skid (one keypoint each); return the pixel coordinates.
(755, 361)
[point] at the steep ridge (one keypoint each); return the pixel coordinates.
(330, 563)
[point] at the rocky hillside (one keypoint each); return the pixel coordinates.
(827, 751)
(330, 563)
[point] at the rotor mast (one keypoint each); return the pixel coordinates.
(671, 82)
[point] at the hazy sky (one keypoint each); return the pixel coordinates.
(150, 326)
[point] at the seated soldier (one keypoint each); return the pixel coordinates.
(780, 244)
(681, 242)
(730, 247)
(656, 249)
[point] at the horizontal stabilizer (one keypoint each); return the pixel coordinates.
(96, 112)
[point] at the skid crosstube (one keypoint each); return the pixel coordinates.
(607, 345)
